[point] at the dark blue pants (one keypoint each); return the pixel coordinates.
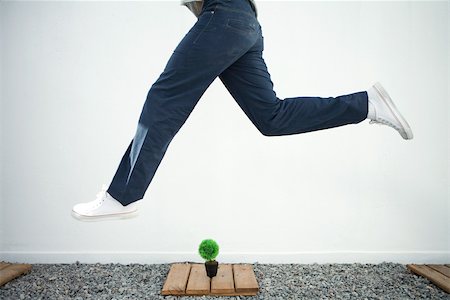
(225, 42)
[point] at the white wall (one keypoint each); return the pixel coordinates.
(74, 78)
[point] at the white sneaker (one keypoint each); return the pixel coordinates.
(103, 207)
(385, 112)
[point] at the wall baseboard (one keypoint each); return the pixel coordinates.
(320, 257)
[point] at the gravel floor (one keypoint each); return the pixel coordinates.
(276, 281)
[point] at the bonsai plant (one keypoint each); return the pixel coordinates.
(209, 250)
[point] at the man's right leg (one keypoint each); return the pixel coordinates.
(206, 50)
(169, 102)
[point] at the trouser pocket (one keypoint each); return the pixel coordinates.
(245, 26)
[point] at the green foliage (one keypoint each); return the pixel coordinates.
(208, 249)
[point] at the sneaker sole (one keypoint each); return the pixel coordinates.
(385, 96)
(117, 216)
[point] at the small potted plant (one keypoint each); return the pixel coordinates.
(209, 250)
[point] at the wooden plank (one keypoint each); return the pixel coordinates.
(223, 282)
(244, 278)
(3, 264)
(198, 283)
(434, 276)
(12, 271)
(441, 268)
(176, 280)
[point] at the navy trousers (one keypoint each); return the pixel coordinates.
(226, 42)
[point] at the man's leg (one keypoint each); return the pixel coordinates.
(207, 49)
(249, 82)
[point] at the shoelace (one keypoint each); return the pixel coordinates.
(100, 197)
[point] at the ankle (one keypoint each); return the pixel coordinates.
(112, 198)
(371, 107)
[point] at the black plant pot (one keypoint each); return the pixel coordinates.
(211, 268)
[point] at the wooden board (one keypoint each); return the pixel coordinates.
(3, 264)
(198, 282)
(223, 282)
(441, 268)
(176, 279)
(231, 280)
(244, 279)
(437, 274)
(9, 271)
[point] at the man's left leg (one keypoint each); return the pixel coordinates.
(249, 82)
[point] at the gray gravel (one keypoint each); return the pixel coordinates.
(276, 281)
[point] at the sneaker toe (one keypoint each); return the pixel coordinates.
(81, 208)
